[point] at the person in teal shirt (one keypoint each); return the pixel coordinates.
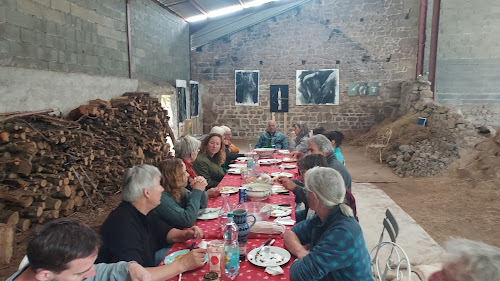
(336, 138)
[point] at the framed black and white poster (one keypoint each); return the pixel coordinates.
(279, 98)
(317, 87)
(246, 84)
(194, 101)
(181, 100)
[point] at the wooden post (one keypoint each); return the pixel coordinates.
(187, 122)
(273, 116)
(6, 243)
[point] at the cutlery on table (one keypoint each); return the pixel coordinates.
(262, 246)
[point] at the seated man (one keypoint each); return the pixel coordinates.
(66, 250)
(129, 233)
(336, 248)
(272, 137)
(320, 144)
(469, 260)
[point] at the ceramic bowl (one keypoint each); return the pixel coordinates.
(258, 191)
(264, 152)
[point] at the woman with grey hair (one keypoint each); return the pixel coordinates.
(137, 179)
(186, 148)
(337, 249)
(299, 143)
(468, 260)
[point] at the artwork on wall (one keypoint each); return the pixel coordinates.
(246, 84)
(181, 100)
(363, 89)
(317, 87)
(194, 101)
(279, 98)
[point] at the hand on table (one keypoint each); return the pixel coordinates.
(297, 154)
(193, 259)
(138, 273)
(287, 183)
(213, 192)
(193, 232)
(199, 183)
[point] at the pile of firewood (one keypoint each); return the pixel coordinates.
(51, 167)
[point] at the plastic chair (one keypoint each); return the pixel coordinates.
(381, 143)
(390, 260)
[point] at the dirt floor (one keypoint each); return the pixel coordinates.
(445, 206)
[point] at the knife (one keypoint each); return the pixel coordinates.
(262, 246)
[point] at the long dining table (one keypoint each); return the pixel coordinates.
(212, 230)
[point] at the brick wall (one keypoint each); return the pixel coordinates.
(89, 36)
(468, 59)
(368, 41)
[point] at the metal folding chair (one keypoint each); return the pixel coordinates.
(390, 262)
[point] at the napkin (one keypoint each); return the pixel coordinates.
(285, 220)
(274, 270)
(267, 227)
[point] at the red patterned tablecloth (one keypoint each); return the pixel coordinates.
(247, 270)
(212, 229)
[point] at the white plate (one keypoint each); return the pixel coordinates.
(288, 166)
(279, 188)
(279, 174)
(284, 151)
(243, 158)
(281, 212)
(208, 213)
(237, 165)
(234, 171)
(268, 161)
(229, 189)
(277, 256)
(170, 258)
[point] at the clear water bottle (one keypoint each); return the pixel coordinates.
(250, 156)
(224, 210)
(231, 249)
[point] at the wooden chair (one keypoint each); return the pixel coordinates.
(382, 142)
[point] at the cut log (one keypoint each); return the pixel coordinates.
(24, 167)
(6, 243)
(52, 204)
(9, 217)
(65, 192)
(23, 224)
(32, 212)
(68, 205)
(4, 137)
(23, 201)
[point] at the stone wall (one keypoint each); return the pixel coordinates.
(368, 41)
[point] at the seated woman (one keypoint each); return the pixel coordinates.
(231, 149)
(336, 138)
(179, 206)
(210, 158)
(336, 247)
(186, 149)
(297, 187)
(299, 143)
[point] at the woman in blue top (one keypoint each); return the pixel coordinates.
(336, 138)
(336, 248)
(179, 207)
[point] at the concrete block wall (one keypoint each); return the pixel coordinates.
(89, 38)
(468, 59)
(368, 41)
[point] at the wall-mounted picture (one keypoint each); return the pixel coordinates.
(279, 98)
(363, 89)
(194, 102)
(181, 100)
(246, 84)
(317, 87)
